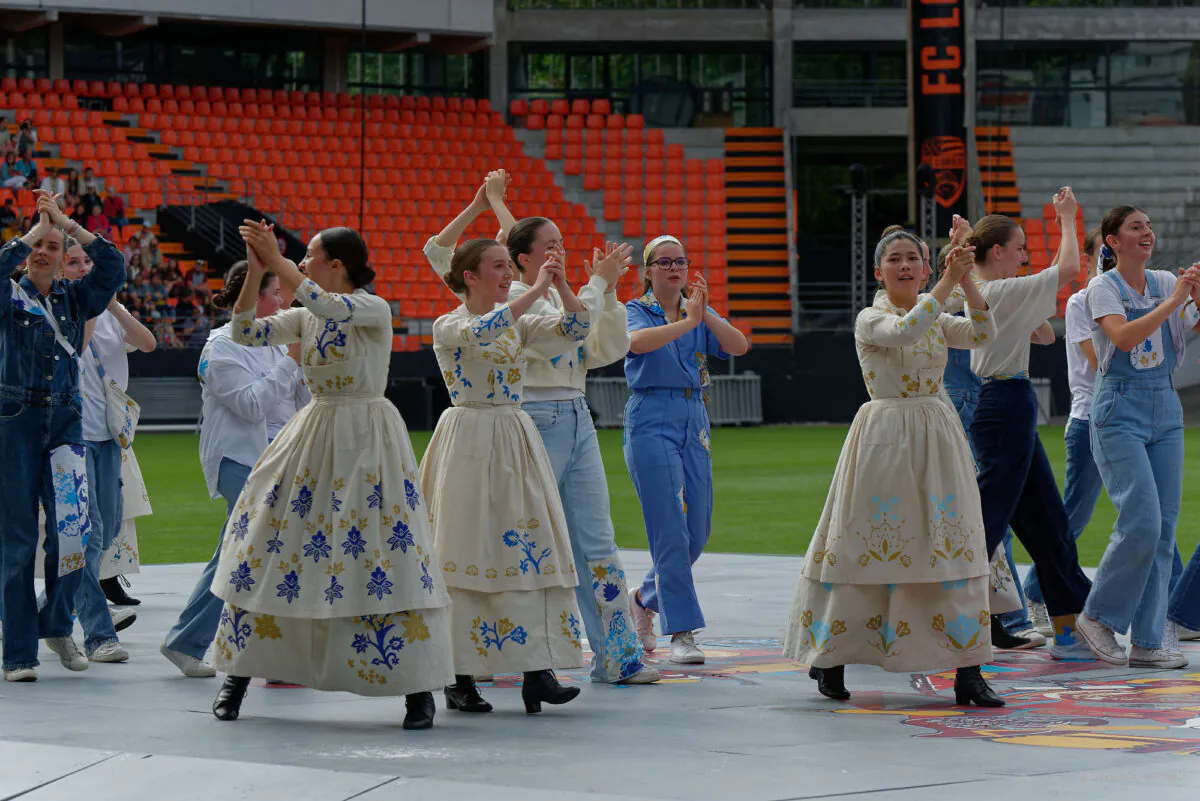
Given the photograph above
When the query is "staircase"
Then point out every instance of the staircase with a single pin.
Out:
(1157, 169)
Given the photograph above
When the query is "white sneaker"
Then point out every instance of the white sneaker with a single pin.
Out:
(20, 674)
(1187, 634)
(684, 650)
(189, 666)
(68, 653)
(122, 617)
(647, 675)
(643, 622)
(108, 652)
(1101, 640)
(1155, 658)
(1036, 640)
(1039, 615)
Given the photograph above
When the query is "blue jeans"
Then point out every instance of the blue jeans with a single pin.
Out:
(1184, 605)
(197, 624)
(667, 451)
(570, 440)
(104, 510)
(27, 436)
(965, 400)
(1017, 488)
(1080, 493)
(1137, 438)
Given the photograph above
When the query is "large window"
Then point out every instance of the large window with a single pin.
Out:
(678, 85)
(521, 5)
(25, 54)
(418, 71)
(1089, 84)
(854, 74)
(198, 55)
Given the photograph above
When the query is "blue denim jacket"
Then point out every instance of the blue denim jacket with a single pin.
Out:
(32, 363)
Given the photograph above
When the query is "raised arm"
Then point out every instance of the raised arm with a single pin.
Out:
(1125, 334)
(449, 236)
(245, 329)
(1067, 259)
(875, 326)
(136, 334)
(608, 341)
(495, 187)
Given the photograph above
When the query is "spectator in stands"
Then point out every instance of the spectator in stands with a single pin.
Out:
(28, 167)
(10, 172)
(26, 138)
(198, 279)
(78, 212)
(8, 217)
(90, 187)
(133, 258)
(148, 248)
(97, 222)
(74, 185)
(26, 226)
(114, 210)
(54, 183)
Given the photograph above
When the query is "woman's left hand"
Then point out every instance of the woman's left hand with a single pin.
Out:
(260, 237)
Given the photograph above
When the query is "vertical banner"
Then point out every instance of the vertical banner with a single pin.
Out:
(937, 72)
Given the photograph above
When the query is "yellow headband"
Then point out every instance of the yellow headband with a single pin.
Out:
(653, 243)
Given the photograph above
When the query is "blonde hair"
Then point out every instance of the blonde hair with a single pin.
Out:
(651, 246)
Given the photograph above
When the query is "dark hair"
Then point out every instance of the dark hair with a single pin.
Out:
(1111, 226)
(234, 280)
(521, 236)
(1092, 242)
(347, 246)
(992, 230)
(466, 260)
(943, 254)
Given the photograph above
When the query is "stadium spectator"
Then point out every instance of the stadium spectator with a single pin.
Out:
(98, 223)
(90, 186)
(8, 216)
(148, 248)
(28, 167)
(26, 138)
(114, 210)
(10, 172)
(54, 183)
(74, 184)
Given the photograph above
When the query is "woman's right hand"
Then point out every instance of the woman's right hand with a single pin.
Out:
(49, 214)
(1065, 205)
(959, 262)
(495, 185)
(1185, 286)
(551, 273)
(697, 304)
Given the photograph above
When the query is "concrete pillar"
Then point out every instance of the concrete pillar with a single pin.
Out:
(54, 55)
(498, 58)
(336, 70)
(783, 71)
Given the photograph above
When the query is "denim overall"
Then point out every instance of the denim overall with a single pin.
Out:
(1137, 441)
(41, 439)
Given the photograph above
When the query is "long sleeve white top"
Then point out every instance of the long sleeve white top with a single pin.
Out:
(556, 372)
(249, 394)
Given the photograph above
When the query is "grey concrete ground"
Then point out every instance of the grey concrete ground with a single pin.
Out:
(747, 726)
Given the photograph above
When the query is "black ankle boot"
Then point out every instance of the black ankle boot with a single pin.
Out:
(230, 697)
(969, 686)
(464, 696)
(539, 686)
(831, 682)
(1005, 641)
(419, 709)
(116, 594)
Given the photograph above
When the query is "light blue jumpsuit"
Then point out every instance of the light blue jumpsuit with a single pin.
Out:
(668, 453)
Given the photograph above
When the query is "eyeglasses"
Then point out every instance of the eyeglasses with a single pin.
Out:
(672, 264)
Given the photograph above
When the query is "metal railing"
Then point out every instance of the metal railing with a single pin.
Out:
(825, 305)
(851, 94)
(734, 400)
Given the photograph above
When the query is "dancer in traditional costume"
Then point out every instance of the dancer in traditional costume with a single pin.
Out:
(1142, 318)
(327, 567)
(498, 518)
(555, 382)
(897, 574)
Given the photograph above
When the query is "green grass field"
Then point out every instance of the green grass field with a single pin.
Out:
(770, 486)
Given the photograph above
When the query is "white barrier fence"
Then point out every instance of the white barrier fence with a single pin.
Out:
(735, 400)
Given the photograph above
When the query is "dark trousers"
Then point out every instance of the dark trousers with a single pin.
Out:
(1017, 488)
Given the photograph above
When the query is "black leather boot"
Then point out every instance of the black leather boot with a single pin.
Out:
(1003, 640)
(230, 697)
(969, 686)
(464, 696)
(539, 686)
(831, 682)
(419, 710)
(115, 593)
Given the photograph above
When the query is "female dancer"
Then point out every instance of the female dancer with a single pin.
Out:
(41, 433)
(667, 449)
(249, 395)
(325, 564)
(498, 517)
(1083, 485)
(1137, 439)
(896, 574)
(555, 382)
(104, 359)
(1016, 484)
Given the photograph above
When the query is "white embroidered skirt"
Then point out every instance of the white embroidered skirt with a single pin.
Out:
(512, 632)
(393, 654)
(122, 558)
